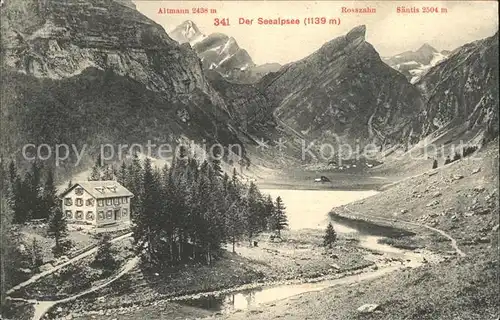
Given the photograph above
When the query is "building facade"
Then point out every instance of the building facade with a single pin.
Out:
(98, 203)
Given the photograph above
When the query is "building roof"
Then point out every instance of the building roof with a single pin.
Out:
(102, 189)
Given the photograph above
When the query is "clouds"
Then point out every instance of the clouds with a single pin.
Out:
(388, 31)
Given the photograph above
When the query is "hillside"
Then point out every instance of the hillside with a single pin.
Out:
(461, 93)
(91, 72)
(97, 107)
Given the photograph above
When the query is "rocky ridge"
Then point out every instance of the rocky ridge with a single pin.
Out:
(344, 91)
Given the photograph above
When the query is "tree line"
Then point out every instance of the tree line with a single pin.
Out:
(32, 195)
(189, 211)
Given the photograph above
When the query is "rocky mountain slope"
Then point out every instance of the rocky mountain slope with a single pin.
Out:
(83, 72)
(413, 64)
(222, 53)
(345, 92)
(96, 71)
(461, 93)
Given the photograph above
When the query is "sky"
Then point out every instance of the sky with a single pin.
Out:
(388, 31)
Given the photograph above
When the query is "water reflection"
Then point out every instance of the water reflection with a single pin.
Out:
(245, 299)
(309, 209)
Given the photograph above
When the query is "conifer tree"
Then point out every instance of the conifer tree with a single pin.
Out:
(234, 178)
(225, 183)
(269, 210)
(280, 220)
(134, 182)
(49, 195)
(235, 222)
(216, 164)
(15, 196)
(95, 174)
(146, 228)
(122, 173)
(108, 173)
(31, 192)
(11, 259)
(330, 236)
(58, 231)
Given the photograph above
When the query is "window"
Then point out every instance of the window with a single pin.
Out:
(79, 191)
(100, 189)
(100, 203)
(116, 200)
(79, 215)
(109, 214)
(79, 202)
(124, 200)
(101, 215)
(90, 215)
(108, 202)
(90, 202)
(124, 212)
(68, 202)
(69, 214)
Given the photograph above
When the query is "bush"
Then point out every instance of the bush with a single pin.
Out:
(105, 257)
(468, 150)
(71, 279)
(62, 248)
(435, 164)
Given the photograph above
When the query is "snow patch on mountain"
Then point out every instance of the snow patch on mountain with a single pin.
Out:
(187, 32)
(414, 64)
(221, 53)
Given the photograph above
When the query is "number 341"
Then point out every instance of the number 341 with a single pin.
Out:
(221, 22)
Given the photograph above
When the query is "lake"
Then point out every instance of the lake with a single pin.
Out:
(308, 209)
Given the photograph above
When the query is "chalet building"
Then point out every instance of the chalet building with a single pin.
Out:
(98, 203)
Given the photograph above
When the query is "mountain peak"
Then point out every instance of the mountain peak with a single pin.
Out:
(427, 48)
(188, 23)
(356, 33)
(186, 32)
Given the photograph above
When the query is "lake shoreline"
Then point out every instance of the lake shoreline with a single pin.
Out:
(298, 187)
(304, 180)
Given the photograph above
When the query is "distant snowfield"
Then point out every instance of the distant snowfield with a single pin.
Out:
(411, 68)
